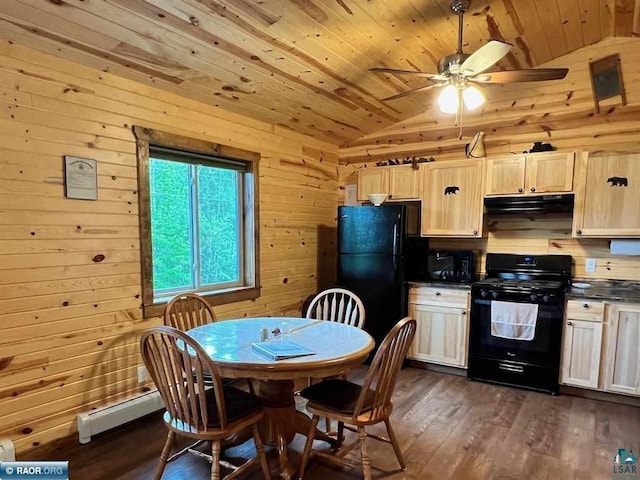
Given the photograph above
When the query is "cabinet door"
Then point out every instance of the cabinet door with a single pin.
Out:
(440, 336)
(373, 180)
(607, 194)
(404, 183)
(505, 176)
(452, 198)
(549, 172)
(623, 349)
(582, 344)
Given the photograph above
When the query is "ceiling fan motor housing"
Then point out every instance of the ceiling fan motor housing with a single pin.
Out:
(450, 65)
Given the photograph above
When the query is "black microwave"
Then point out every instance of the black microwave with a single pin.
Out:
(451, 265)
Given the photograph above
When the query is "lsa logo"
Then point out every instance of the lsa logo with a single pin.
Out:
(625, 465)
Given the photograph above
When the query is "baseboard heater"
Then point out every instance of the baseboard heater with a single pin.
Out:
(111, 416)
(7, 451)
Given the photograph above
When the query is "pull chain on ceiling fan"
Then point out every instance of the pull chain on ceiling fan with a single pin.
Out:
(459, 72)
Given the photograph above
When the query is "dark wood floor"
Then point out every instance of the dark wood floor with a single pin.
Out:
(448, 428)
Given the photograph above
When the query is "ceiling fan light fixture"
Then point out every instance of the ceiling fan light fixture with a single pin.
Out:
(448, 99)
(472, 97)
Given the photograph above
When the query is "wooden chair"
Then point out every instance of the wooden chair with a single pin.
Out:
(190, 310)
(360, 406)
(337, 305)
(178, 365)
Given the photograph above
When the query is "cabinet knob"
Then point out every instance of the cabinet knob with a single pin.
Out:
(464, 312)
(437, 294)
(533, 189)
(390, 196)
(520, 190)
(579, 232)
(586, 305)
(570, 323)
(475, 232)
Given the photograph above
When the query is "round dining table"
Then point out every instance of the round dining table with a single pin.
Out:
(336, 347)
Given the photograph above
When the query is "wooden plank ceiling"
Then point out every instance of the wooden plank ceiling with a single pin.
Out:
(303, 64)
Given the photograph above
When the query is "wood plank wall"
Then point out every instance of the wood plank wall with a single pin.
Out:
(514, 117)
(69, 325)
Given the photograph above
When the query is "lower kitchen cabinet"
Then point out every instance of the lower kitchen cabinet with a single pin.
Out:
(441, 336)
(622, 362)
(582, 342)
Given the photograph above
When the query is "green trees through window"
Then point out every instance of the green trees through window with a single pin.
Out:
(196, 226)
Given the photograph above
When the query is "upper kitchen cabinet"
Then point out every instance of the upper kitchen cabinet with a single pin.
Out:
(530, 174)
(401, 182)
(452, 198)
(607, 193)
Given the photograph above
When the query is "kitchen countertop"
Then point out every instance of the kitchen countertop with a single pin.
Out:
(441, 284)
(606, 290)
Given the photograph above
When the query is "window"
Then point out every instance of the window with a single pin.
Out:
(196, 216)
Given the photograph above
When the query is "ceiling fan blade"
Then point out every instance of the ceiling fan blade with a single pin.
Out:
(431, 76)
(485, 57)
(530, 75)
(415, 90)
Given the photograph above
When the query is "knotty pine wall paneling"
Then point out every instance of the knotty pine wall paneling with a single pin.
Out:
(514, 117)
(69, 323)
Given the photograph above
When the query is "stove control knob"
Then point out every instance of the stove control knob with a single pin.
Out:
(545, 298)
(483, 293)
(533, 297)
(494, 294)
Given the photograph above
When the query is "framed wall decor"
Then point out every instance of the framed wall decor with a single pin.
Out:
(606, 79)
(80, 178)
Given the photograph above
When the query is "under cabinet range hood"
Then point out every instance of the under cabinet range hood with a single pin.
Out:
(530, 204)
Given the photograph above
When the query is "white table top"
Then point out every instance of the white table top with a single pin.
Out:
(228, 342)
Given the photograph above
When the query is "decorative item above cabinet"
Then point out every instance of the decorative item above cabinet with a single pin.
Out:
(607, 195)
(530, 174)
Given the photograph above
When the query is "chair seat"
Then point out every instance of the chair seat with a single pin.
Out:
(337, 395)
(238, 403)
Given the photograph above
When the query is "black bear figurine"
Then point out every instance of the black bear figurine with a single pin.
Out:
(451, 190)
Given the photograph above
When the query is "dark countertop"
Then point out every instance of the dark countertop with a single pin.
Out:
(441, 284)
(606, 290)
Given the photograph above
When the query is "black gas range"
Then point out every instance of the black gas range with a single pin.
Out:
(516, 320)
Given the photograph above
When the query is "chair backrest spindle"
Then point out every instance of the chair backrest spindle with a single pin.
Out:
(185, 312)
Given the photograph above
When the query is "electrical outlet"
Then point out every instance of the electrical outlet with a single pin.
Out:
(143, 375)
(590, 265)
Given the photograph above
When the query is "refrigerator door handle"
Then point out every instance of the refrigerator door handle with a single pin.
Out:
(395, 238)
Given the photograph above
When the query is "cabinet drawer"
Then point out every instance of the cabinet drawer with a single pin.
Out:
(585, 310)
(444, 296)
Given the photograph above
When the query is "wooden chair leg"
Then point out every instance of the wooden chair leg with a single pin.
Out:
(260, 452)
(366, 462)
(327, 425)
(307, 446)
(251, 389)
(395, 444)
(340, 435)
(164, 456)
(215, 460)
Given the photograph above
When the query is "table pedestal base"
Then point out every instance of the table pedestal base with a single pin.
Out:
(282, 421)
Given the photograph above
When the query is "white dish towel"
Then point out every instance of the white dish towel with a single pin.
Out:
(516, 321)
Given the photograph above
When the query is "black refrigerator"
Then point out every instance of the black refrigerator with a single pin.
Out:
(375, 259)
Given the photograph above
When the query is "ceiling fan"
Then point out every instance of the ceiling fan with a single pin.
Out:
(459, 72)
